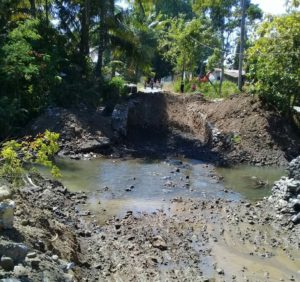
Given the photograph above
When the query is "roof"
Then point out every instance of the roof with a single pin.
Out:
(297, 109)
(232, 73)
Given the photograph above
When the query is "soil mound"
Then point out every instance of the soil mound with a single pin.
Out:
(254, 135)
(82, 130)
(226, 132)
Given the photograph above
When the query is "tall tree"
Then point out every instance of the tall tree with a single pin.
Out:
(222, 14)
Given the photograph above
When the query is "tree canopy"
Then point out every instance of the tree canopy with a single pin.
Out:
(63, 52)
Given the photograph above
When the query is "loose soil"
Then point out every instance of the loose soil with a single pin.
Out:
(236, 130)
(195, 239)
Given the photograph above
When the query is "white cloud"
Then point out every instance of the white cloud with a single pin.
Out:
(271, 6)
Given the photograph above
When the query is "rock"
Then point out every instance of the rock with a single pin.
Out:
(119, 119)
(7, 263)
(220, 271)
(68, 277)
(296, 218)
(94, 145)
(20, 271)
(159, 243)
(55, 257)
(35, 263)
(294, 169)
(7, 214)
(5, 193)
(15, 251)
(31, 255)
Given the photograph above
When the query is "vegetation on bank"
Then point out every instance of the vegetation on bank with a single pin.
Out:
(20, 157)
(72, 52)
(209, 90)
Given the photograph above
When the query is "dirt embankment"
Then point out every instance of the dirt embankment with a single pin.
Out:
(256, 135)
(83, 131)
(232, 131)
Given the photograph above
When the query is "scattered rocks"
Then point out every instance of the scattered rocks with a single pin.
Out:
(7, 214)
(15, 251)
(7, 263)
(20, 271)
(294, 168)
(5, 193)
(159, 243)
(220, 271)
(285, 196)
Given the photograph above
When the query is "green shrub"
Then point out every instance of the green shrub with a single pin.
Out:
(113, 90)
(17, 157)
(274, 64)
(207, 89)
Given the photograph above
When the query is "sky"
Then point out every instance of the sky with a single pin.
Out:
(268, 6)
(271, 6)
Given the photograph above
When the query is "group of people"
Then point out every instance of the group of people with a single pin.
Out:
(153, 83)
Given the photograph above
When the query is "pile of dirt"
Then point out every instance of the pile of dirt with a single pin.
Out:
(226, 132)
(43, 244)
(236, 130)
(254, 135)
(82, 130)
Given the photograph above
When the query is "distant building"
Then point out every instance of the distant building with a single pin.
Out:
(231, 75)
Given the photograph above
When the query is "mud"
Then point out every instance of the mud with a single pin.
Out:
(237, 130)
(56, 237)
(190, 240)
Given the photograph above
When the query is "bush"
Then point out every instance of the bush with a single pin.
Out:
(274, 62)
(113, 90)
(17, 157)
(207, 89)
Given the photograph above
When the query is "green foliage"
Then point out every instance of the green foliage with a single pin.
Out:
(17, 157)
(207, 89)
(236, 139)
(113, 90)
(274, 62)
(183, 43)
(27, 74)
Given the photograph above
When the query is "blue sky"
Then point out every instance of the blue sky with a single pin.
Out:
(268, 6)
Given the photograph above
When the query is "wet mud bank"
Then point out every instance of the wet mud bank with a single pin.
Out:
(234, 131)
(57, 236)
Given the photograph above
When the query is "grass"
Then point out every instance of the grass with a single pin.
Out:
(207, 89)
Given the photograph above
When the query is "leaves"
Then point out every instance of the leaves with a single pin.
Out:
(274, 61)
(18, 157)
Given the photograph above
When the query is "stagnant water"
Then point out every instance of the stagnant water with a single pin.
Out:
(141, 185)
(144, 185)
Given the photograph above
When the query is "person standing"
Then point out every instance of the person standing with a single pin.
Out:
(182, 87)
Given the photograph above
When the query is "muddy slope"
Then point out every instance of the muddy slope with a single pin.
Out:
(233, 131)
(236, 130)
(258, 136)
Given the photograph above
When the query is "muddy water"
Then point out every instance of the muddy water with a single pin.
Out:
(116, 186)
(143, 185)
(251, 182)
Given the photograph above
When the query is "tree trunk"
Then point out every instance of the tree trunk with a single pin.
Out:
(32, 8)
(222, 61)
(84, 33)
(242, 42)
(103, 30)
(47, 12)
